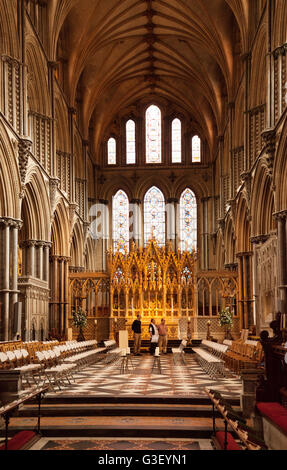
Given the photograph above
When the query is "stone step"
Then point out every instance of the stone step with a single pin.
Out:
(102, 409)
(118, 426)
(139, 400)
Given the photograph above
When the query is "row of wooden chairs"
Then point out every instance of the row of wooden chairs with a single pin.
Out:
(19, 360)
(243, 356)
(53, 362)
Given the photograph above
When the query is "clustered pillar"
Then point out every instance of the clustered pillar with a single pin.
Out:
(59, 266)
(281, 218)
(245, 288)
(9, 305)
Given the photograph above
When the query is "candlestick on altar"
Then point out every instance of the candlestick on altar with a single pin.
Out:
(208, 336)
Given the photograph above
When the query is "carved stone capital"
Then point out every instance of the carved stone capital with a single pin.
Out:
(244, 254)
(280, 51)
(9, 222)
(281, 215)
(231, 266)
(28, 243)
(259, 239)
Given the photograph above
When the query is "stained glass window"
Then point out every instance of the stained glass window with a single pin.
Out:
(120, 221)
(196, 149)
(131, 141)
(154, 216)
(112, 146)
(188, 221)
(153, 135)
(176, 141)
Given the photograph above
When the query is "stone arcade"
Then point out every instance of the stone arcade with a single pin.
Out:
(143, 171)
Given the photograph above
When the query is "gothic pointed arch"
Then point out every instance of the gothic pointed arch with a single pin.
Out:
(9, 176)
(77, 247)
(60, 231)
(35, 209)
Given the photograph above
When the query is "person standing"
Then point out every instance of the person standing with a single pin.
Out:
(153, 331)
(137, 329)
(162, 341)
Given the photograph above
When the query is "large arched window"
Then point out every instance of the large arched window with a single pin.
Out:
(131, 142)
(120, 221)
(153, 134)
(176, 141)
(112, 151)
(188, 221)
(154, 216)
(196, 149)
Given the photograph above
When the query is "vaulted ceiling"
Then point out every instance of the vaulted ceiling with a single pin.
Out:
(120, 52)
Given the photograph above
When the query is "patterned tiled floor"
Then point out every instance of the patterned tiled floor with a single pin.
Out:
(122, 444)
(175, 380)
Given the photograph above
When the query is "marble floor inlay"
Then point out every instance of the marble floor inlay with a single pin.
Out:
(121, 444)
(140, 380)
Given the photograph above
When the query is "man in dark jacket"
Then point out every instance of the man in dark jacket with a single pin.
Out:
(137, 329)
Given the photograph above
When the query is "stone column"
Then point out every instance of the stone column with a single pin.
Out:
(231, 107)
(247, 65)
(72, 113)
(47, 246)
(54, 293)
(245, 288)
(66, 296)
(40, 246)
(6, 263)
(270, 114)
(31, 268)
(258, 241)
(52, 66)
(281, 218)
(205, 254)
(249, 289)
(241, 291)
(85, 155)
(106, 232)
(15, 307)
(62, 293)
(8, 275)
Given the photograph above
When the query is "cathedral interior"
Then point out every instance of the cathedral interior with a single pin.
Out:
(143, 174)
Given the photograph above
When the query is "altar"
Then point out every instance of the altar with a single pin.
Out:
(154, 282)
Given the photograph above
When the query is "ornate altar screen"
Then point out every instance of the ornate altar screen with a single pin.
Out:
(154, 282)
